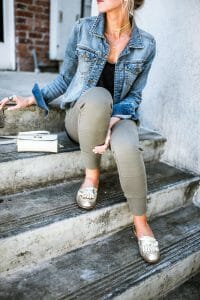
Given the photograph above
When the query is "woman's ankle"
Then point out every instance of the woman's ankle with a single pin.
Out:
(141, 225)
(91, 178)
(90, 182)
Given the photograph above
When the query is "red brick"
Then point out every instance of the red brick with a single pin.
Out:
(20, 20)
(42, 3)
(29, 66)
(23, 54)
(22, 27)
(35, 35)
(25, 41)
(41, 29)
(35, 8)
(42, 16)
(43, 58)
(21, 33)
(45, 23)
(21, 6)
(47, 11)
(27, 60)
(22, 49)
(39, 49)
(39, 42)
(24, 1)
(31, 47)
(21, 13)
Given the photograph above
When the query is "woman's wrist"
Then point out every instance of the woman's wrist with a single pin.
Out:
(113, 121)
(107, 141)
(31, 100)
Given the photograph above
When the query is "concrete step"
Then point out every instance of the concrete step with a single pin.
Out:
(23, 170)
(43, 223)
(112, 268)
(31, 118)
(189, 290)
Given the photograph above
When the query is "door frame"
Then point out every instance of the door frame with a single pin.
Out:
(8, 46)
(56, 53)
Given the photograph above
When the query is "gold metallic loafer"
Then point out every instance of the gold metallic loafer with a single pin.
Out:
(148, 248)
(86, 197)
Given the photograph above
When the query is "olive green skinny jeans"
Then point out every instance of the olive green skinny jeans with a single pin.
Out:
(87, 122)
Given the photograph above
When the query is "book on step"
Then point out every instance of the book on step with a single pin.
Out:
(37, 141)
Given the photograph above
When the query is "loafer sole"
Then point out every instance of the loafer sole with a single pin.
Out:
(86, 207)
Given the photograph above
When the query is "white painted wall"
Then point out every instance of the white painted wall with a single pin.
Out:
(171, 99)
(7, 48)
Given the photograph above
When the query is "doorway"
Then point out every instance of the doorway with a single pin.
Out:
(62, 19)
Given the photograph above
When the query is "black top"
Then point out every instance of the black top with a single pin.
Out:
(106, 79)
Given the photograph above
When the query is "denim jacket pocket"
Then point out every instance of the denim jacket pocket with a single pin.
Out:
(131, 71)
(86, 59)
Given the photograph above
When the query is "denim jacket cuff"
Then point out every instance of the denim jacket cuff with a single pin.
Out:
(121, 109)
(39, 98)
(122, 116)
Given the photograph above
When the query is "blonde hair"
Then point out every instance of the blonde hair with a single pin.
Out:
(132, 5)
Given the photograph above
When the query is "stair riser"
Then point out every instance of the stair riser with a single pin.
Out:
(40, 170)
(60, 237)
(169, 278)
(172, 197)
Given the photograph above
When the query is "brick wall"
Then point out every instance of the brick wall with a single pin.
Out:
(32, 32)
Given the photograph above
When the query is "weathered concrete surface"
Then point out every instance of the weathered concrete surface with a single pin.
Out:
(21, 83)
(171, 98)
(189, 290)
(24, 170)
(112, 268)
(32, 118)
(40, 224)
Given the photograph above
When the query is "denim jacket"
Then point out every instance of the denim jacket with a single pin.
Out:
(85, 56)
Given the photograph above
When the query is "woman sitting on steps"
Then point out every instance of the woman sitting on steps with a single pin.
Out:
(106, 65)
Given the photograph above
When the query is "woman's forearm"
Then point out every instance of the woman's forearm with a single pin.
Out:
(113, 121)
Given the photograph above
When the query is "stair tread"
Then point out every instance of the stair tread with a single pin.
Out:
(110, 265)
(38, 207)
(8, 152)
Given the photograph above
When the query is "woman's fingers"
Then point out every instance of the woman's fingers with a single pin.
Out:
(22, 102)
(3, 102)
(17, 106)
(100, 149)
(16, 102)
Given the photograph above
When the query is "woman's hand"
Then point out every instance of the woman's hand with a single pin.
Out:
(102, 148)
(19, 102)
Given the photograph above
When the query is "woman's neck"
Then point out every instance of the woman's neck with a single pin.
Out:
(115, 25)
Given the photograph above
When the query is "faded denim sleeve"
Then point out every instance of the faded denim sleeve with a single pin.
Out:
(127, 108)
(60, 84)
